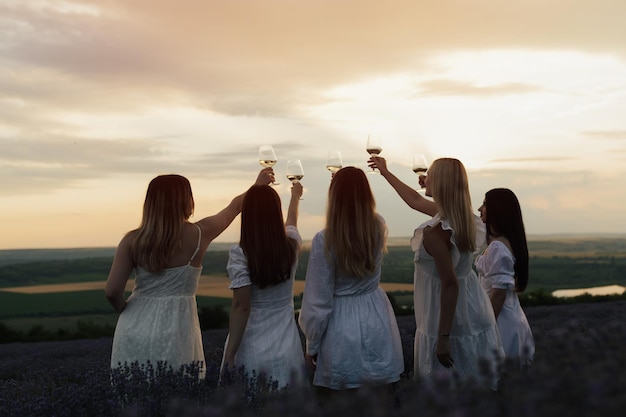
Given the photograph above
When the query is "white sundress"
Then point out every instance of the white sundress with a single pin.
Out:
(496, 270)
(474, 334)
(160, 322)
(271, 342)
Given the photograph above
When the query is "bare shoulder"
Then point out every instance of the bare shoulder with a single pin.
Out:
(127, 240)
(437, 232)
(207, 225)
(436, 237)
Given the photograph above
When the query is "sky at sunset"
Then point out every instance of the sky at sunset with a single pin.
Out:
(97, 97)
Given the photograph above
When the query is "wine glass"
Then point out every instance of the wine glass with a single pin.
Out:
(420, 166)
(295, 172)
(374, 147)
(267, 157)
(334, 162)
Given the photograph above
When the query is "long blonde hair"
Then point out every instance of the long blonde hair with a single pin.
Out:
(354, 233)
(450, 191)
(168, 205)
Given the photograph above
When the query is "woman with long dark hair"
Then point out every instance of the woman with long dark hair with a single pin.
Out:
(352, 337)
(263, 336)
(159, 320)
(503, 270)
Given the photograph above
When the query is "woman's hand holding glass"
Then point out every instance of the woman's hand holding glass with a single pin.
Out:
(374, 147)
(377, 162)
(265, 177)
(420, 166)
(297, 190)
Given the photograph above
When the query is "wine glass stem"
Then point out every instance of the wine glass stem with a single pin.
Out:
(373, 169)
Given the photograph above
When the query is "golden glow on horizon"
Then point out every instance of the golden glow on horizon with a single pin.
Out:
(100, 99)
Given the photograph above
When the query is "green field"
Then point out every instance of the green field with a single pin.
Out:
(563, 263)
(64, 310)
(69, 303)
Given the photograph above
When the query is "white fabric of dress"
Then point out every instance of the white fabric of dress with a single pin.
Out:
(496, 268)
(349, 323)
(474, 334)
(160, 322)
(271, 342)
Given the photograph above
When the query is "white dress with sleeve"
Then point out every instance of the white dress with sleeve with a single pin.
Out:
(349, 323)
(496, 270)
(271, 342)
(474, 334)
(160, 322)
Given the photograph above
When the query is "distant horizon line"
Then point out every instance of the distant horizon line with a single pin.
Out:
(391, 241)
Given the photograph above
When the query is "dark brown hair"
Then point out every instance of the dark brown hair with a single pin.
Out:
(270, 253)
(504, 217)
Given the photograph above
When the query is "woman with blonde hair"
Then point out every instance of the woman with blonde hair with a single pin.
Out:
(159, 320)
(352, 337)
(455, 325)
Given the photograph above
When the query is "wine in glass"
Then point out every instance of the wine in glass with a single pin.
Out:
(295, 172)
(419, 165)
(334, 162)
(374, 147)
(267, 157)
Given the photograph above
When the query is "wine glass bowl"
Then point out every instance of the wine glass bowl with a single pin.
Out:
(267, 157)
(295, 172)
(374, 147)
(334, 162)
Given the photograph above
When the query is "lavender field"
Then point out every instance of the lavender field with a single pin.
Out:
(579, 370)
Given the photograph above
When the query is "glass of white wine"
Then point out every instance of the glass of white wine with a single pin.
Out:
(267, 157)
(295, 172)
(420, 166)
(334, 162)
(374, 147)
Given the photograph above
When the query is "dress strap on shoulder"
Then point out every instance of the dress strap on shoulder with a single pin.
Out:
(198, 246)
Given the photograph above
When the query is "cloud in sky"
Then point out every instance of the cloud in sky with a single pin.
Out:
(97, 97)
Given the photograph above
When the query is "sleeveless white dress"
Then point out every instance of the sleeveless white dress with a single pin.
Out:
(271, 342)
(160, 322)
(496, 268)
(474, 335)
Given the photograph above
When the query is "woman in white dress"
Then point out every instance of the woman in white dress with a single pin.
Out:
(503, 269)
(352, 336)
(159, 320)
(263, 336)
(455, 325)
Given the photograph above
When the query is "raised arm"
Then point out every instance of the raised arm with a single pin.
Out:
(414, 199)
(213, 226)
(294, 203)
